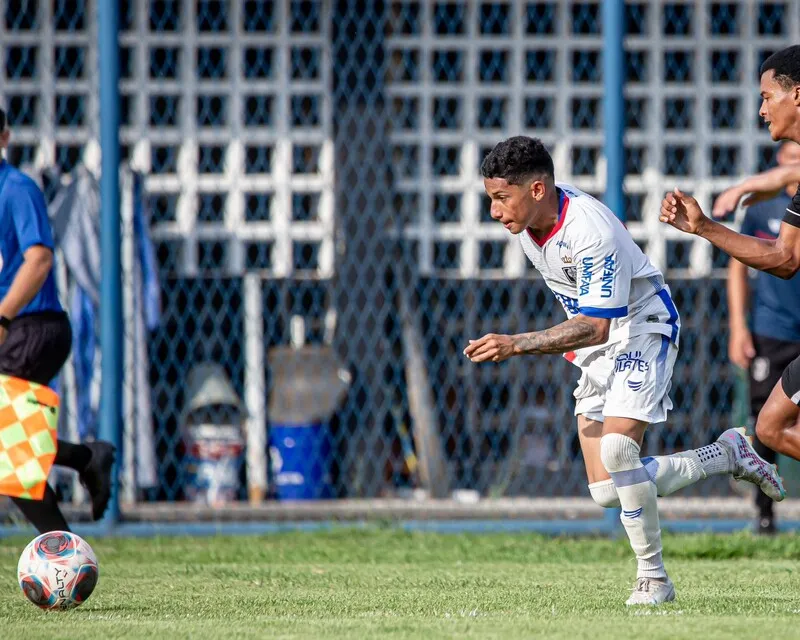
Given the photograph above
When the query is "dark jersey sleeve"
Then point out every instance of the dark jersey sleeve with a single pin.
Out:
(792, 216)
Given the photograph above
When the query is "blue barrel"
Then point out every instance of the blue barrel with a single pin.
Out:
(300, 456)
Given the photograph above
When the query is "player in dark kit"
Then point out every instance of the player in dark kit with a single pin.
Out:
(777, 424)
(763, 317)
(35, 333)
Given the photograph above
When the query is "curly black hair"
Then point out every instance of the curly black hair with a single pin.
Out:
(786, 64)
(517, 160)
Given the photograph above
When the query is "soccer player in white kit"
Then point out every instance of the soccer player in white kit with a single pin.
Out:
(623, 331)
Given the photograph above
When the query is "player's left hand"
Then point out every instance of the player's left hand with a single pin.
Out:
(490, 348)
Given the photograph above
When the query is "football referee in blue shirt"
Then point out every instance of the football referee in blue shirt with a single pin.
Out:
(35, 333)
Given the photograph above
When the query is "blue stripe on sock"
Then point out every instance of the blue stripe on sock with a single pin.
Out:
(630, 477)
(651, 464)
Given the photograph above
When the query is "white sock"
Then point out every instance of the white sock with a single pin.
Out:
(670, 473)
(679, 470)
(674, 472)
(638, 499)
(713, 458)
(604, 493)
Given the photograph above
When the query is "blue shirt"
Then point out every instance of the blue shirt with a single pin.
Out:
(23, 224)
(775, 302)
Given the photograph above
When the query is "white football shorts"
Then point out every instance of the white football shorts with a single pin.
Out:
(629, 379)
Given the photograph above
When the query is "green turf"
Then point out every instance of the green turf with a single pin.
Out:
(386, 583)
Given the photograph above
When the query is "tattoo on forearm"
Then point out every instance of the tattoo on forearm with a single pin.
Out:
(573, 334)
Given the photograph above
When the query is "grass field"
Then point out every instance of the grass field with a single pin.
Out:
(387, 583)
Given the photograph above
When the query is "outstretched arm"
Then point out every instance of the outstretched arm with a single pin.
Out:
(762, 186)
(779, 257)
(740, 341)
(575, 333)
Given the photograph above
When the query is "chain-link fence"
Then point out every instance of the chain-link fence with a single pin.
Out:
(311, 189)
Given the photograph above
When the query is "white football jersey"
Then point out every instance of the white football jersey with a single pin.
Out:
(592, 265)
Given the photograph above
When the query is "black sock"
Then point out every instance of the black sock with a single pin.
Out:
(43, 514)
(74, 456)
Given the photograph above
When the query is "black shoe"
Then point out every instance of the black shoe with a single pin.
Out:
(96, 477)
(765, 526)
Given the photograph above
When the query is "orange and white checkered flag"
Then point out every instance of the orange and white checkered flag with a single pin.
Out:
(28, 437)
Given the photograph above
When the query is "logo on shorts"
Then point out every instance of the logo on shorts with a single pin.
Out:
(632, 361)
(760, 369)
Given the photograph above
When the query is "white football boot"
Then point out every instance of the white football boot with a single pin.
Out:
(747, 465)
(652, 591)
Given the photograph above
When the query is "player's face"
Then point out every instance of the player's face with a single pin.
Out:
(778, 106)
(513, 205)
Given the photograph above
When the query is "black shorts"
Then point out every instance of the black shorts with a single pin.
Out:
(37, 346)
(772, 358)
(790, 381)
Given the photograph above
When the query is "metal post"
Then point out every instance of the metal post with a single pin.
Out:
(255, 389)
(614, 103)
(614, 123)
(111, 283)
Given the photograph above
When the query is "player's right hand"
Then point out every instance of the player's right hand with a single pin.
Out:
(726, 202)
(740, 348)
(682, 212)
(760, 196)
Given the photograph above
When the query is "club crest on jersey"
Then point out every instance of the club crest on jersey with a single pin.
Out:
(587, 265)
(607, 279)
(571, 273)
(566, 259)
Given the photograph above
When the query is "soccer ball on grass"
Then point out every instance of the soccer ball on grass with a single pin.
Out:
(57, 570)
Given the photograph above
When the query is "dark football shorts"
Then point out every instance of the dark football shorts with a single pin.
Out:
(37, 346)
(790, 381)
(772, 358)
